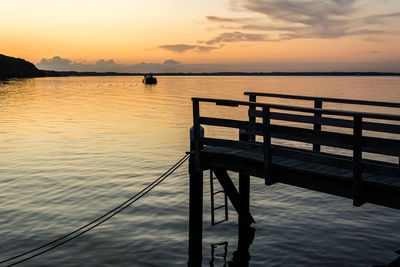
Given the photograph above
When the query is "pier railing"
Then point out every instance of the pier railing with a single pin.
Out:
(268, 129)
(317, 120)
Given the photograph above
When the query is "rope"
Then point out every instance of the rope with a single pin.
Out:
(99, 220)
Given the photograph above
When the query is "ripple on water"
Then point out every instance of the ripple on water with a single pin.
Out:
(72, 148)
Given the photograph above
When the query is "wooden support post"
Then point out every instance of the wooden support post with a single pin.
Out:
(195, 191)
(244, 198)
(357, 164)
(252, 118)
(267, 146)
(317, 122)
(195, 215)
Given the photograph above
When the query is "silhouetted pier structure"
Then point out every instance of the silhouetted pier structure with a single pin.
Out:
(369, 173)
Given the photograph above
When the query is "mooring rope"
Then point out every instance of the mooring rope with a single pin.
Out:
(89, 226)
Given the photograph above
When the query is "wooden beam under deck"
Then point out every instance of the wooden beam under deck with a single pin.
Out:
(305, 174)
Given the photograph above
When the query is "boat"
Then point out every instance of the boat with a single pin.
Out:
(149, 79)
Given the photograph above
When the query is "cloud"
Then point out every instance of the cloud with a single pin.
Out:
(277, 20)
(292, 19)
(382, 18)
(229, 20)
(171, 62)
(219, 40)
(307, 12)
(170, 65)
(230, 37)
(181, 48)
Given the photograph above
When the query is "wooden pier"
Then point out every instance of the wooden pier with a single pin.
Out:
(368, 173)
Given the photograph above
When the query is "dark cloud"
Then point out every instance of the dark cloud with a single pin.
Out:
(292, 19)
(306, 19)
(61, 64)
(382, 18)
(307, 12)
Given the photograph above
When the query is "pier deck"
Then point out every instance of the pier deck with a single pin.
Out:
(346, 153)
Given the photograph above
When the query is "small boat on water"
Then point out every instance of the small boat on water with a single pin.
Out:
(149, 79)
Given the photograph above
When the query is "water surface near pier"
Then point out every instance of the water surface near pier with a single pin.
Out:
(73, 148)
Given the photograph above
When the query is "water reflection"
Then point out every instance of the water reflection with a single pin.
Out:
(241, 256)
(216, 252)
(219, 251)
(72, 146)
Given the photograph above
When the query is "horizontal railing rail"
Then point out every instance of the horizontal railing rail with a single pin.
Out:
(336, 122)
(237, 103)
(327, 99)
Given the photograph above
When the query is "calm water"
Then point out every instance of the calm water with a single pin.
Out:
(73, 148)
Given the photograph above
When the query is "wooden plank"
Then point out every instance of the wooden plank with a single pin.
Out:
(381, 127)
(327, 99)
(382, 146)
(381, 169)
(234, 144)
(309, 136)
(307, 155)
(290, 154)
(231, 123)
(284, 116)
(335, 122)
(300, 109)
(227, 103)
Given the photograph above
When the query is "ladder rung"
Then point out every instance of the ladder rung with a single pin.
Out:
(222, 206)
(218, 192)
(220, 222)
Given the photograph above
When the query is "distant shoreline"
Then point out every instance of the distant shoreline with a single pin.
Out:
(11, 67)
(47, 73)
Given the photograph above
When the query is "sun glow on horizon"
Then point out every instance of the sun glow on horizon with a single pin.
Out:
(242, 35)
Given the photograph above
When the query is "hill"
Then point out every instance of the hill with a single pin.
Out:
(11, 67)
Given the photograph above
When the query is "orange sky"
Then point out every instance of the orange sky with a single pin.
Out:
(242, 35)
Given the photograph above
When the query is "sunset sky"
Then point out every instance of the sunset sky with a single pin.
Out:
(207, 35)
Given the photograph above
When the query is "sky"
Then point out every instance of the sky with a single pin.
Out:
(202, 36)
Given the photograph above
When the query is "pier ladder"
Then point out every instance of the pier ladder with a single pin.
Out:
(213, 208)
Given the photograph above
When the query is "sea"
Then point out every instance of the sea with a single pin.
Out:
(74, 148)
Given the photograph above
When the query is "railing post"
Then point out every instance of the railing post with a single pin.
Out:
(267, 145)
(197, 139)
(252, 117)
(317, 122)
(195, 191)
(357, 164)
